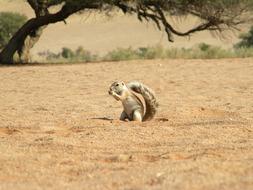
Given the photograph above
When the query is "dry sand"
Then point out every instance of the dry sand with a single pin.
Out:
(59, 128)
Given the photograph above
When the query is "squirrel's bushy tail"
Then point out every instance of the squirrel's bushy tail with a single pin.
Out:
(149, 97)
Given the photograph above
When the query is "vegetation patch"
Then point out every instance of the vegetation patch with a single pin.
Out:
(9, 24)
(200, 51)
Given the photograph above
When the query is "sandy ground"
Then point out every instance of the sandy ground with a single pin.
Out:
(59, 128)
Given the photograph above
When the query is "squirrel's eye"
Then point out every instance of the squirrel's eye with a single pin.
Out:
(117, 84)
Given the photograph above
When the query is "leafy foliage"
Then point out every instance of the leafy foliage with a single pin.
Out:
(9, 24)
(246, 39)
(67, 53)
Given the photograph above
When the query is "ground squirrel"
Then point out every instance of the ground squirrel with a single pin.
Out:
(139, 101)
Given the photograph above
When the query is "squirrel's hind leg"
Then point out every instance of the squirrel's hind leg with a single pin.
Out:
(123, 116)
(137, 116)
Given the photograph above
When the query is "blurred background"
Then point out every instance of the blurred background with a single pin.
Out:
(99, 34)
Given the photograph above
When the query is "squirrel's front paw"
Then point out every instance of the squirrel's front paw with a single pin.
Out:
(110, 92)
(115, 95)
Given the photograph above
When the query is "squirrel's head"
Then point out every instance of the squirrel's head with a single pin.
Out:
(117, 87)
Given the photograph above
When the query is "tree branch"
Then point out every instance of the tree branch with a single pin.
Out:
(216, 18)
(34, 5)
(35, 23)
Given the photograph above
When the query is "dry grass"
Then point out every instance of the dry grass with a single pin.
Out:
(60, 129)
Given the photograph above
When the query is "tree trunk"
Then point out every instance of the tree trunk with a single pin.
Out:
(17, 41)
(7, 54)
(40, 9)
(30, 41)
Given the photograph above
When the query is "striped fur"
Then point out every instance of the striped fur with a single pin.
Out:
(149, 97)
